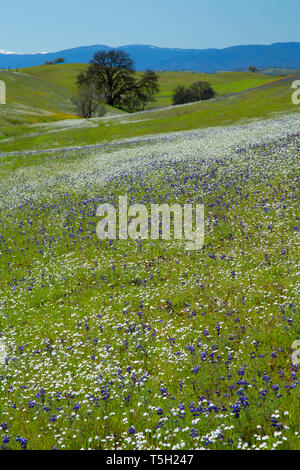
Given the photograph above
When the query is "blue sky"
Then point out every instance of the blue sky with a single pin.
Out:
(52, 25)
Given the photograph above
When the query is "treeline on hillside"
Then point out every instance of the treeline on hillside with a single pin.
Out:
(58, 60)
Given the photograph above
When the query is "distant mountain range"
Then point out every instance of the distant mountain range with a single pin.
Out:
(283, 55)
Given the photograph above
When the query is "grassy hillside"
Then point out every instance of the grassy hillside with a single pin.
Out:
(141, 344)
(223, 83)
(257, 103)
(43, 94)
(31, 100)
(63, 75)
(36, 94)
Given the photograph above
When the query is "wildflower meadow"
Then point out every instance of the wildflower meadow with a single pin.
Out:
(141, 344)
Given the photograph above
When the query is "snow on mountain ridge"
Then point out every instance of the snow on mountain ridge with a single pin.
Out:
(8, 52)
(2, 51)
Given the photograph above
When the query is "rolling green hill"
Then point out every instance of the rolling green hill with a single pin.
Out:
(36, 94)
(63, 75)
(256, 103)
(31, 100)
(224, 83)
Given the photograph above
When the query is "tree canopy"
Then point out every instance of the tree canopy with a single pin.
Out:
(198, 91)
(252, 68)
(114, 75)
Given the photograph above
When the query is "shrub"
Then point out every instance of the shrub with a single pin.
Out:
(198, 91)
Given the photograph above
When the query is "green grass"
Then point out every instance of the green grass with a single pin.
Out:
(63, 75)
(257, 103)
(102, 336)
(223, 83)
(43, 94)
(31, 101)
(37, 94)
